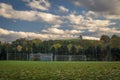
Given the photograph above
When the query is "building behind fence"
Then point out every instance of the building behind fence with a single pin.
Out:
(45, 57)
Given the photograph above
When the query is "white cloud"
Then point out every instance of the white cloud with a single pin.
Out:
(39, 4)
(80, 21)
(91, 38)
(87, 24)
(100, 31)
(111, 16)
(94, 14)
(54, 30)
(49, 18)
(91, 26)
(109, 31)
(8, 35)
(7, 11)
(91, 14)
(75, 19)
(63, 9)
(105, 30)
(56, 26)
(53, 33)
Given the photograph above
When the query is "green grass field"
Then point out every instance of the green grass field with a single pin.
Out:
(35, 70)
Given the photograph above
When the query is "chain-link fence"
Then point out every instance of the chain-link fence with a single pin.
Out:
(17, 56)
(44, 57)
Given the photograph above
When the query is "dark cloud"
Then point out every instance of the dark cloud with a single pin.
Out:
(106, 7)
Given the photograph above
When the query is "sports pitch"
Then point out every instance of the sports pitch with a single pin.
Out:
(37, 70)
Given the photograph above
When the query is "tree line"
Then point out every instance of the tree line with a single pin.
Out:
(104, 49)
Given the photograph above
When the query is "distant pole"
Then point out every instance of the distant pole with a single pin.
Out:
(51, 57)
(83, 53)
(7, 56)
(31, 49)
(0, 49)
(70, 57)
(47, 46)
(15, 50)
(85, 58)
(31, 53)
(6, 51)
(80, 36)
(0, 52)
(55, 58)
(110, 53)
(15, 54)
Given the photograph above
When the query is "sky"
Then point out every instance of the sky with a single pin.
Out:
(58, 19)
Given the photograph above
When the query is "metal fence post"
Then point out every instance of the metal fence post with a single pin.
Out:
(70, 56)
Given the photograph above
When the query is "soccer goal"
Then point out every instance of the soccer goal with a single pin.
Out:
(70, 58)
(41, 57)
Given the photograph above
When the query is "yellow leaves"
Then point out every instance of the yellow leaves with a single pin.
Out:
(36, 41)
(19, 48)
(78, 47)
(56, 46)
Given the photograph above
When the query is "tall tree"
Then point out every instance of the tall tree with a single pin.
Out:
(115, 44)
(106, 41)
(115, 41)
(105, 38)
